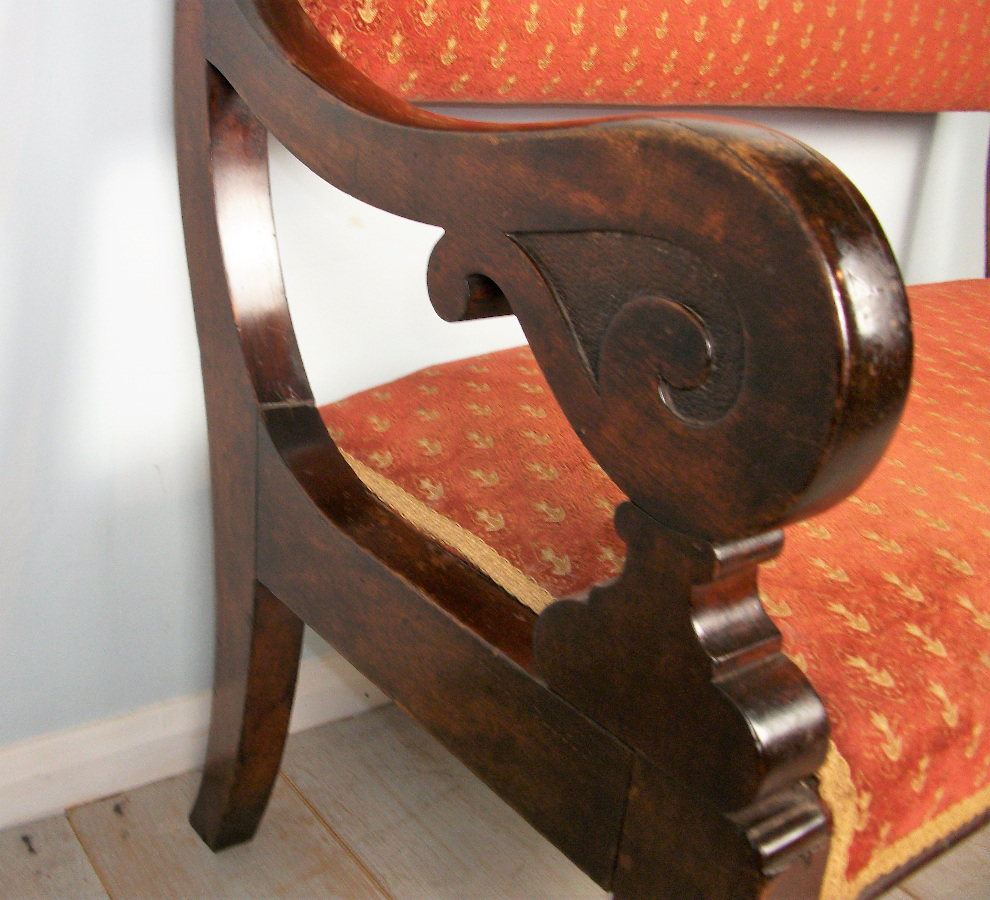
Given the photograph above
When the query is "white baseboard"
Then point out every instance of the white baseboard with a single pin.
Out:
(46, 775)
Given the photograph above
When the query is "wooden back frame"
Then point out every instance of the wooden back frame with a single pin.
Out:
(746, 368)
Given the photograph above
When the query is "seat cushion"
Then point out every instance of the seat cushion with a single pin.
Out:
(867, 54)
(884, 601)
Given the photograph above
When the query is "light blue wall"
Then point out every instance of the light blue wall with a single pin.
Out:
(104, 572)
(105, 569)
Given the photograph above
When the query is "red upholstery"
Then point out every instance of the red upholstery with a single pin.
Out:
(883, 601)
(859, 54)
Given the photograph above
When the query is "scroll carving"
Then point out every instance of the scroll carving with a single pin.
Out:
(711, 348)
(597, 276)
(782, 360)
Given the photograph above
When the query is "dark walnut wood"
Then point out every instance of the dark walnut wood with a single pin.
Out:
(722, 322)
(258, 639)
(707, 675)
(678, 659)
(564, 773)
(675, 845)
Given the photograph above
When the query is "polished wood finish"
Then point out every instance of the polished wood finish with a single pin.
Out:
(566, 775)
(258, 639)
(745, 206)
(678, 659)
(256, 666)
(676, 845)
(722, 322)
(707, 672)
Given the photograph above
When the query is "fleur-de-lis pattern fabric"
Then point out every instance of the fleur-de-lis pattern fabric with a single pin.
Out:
(884, 600)
(858, 54)
(483, 444)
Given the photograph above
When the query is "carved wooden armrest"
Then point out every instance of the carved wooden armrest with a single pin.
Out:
(696, 290)
(722, 322)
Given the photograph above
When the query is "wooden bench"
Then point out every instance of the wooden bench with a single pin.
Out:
(719, 345)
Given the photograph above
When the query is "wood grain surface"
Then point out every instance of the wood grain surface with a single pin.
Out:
(142, 846)
(420, 820)
(962, 872)
(372, 796)
(45, 861)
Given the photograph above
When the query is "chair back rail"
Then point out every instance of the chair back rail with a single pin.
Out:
(898, 55)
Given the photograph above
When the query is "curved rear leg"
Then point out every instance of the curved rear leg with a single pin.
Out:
(223, 176)
(258, 644)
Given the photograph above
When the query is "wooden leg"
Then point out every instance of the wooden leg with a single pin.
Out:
(224, 189)
(258, 645)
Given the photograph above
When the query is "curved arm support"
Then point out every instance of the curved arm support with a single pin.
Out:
(719, 316)
(695, 289)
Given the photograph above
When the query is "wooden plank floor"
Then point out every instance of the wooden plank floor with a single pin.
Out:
(365, 809)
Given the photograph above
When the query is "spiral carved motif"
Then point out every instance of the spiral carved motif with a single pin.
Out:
(606, 283)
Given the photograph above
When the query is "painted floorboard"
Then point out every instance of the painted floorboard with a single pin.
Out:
(141, 844)
(44, 861)
(963, 872)
(427, 827)
(371, 808)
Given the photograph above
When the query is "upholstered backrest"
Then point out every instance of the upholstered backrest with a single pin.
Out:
(906, 55)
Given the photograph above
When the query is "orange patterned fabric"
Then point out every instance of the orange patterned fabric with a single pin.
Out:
(921, 55)
(483, 443)
(883, 601)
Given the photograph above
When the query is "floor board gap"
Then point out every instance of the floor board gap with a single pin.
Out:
(371, 875)
(89, 856)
